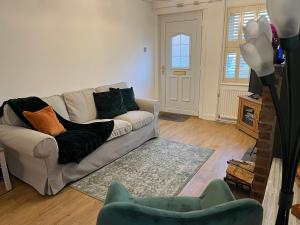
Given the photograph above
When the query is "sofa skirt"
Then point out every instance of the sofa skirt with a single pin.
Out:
(48, 177)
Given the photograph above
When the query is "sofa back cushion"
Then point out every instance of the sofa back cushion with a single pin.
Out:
(81, 105)
(105, 88)
(10, 118)
(58, 104)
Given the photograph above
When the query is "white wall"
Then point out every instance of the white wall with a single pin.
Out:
(212, 60)
(53, 46)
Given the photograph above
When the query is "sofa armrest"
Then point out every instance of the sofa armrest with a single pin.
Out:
(153, 106)
(149, 105)
(27, 141)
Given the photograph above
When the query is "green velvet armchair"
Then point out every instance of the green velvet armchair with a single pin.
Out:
(216, 206)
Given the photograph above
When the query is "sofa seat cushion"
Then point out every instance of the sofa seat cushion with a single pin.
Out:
(138, 119)
(121, 128)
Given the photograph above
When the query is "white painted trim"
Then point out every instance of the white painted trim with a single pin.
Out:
(207, 116)
(234, 84)
(182, 4)
(222, 58)
(200, 56)
(174, 9)
(185, 112)
(158, 56)
(162, 62)
(202, 60)
(230, 121)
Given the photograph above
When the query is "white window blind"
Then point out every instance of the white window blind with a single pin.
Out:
(230, 65)
(244, 69)
(250, 15)
(235, 68)
(234, 26)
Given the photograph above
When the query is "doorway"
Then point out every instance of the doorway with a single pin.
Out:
(180, 62)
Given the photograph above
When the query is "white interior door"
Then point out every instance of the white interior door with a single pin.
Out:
(180, 62)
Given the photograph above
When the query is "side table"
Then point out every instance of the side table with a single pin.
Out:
(4, 170)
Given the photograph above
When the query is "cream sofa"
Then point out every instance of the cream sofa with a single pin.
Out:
(33, 156)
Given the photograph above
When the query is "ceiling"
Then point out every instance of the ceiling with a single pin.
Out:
(179, 3)
(159, 0)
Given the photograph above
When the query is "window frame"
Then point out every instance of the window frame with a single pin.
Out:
(234, 46)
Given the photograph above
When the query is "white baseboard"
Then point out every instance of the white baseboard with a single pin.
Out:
(227, 121)
(207, 116)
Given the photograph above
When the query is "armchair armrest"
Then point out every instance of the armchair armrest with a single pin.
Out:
(217, 192)
(149, 105)
(117, 193)
(27, 141)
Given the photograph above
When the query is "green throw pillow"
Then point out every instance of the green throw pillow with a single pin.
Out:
(109, 104)
(128, 98)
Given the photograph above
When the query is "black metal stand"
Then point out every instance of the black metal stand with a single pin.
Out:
(290, 139)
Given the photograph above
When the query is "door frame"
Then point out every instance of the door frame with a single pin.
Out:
(161, 78)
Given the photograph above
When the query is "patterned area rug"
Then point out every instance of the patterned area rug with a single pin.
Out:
(159, 167)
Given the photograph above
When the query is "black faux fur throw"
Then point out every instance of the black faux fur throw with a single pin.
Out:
(77, 142)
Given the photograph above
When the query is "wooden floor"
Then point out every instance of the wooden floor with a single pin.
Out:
(24, 206)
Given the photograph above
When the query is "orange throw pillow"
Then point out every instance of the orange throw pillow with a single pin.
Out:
(45, 121)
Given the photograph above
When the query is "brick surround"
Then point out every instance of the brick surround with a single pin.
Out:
(267, 124)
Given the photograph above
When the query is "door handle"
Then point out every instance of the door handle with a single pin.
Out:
(163, 70)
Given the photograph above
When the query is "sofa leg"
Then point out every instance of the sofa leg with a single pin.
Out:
(5, 171)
